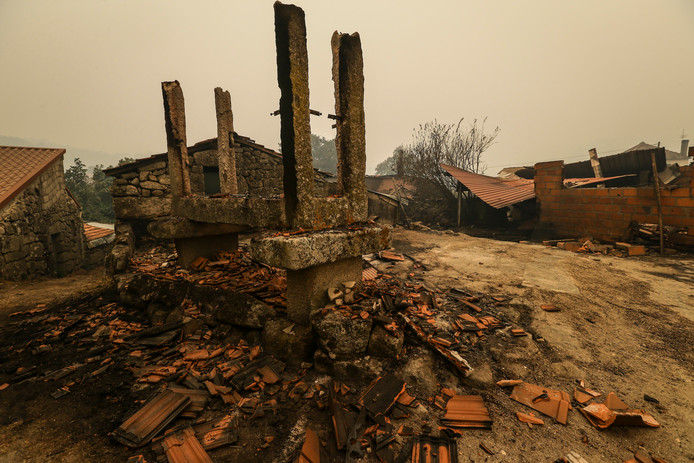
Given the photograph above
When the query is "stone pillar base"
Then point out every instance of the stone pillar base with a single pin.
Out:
(206, 246)
(307, 289)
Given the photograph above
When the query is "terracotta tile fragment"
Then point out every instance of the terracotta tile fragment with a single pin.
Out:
(529, 418)
(545, 400)
(603, 416)
(150, 418)
(509, 382)
(549, 308)
(310, 451)
(185, 448)
(582, 397)
(467, 411)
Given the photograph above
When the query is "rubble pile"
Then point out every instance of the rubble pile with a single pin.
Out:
(196, 389)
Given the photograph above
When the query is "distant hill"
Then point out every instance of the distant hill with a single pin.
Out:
(88, 156)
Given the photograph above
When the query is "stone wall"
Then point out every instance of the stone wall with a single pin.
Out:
(41, 229)
(143, 193)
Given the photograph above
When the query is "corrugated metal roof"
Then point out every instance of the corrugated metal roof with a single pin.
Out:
(20, 165)
(497, 192)
(503, 192)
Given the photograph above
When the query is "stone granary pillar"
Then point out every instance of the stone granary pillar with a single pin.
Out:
(177, 147)
(295, 130)
(195, 239)
(319, 260)
(226, 156)
(348, 76)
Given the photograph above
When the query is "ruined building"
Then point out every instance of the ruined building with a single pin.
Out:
(142, 189)
(40, 222)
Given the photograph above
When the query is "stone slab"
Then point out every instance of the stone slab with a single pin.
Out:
(307, 289)
(265, 212)
(141, 208)
(301, 251)
(178, 227)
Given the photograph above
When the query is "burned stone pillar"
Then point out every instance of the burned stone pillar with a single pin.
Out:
(348, 75)
(225, 142)
(295, 132)
(175, 119)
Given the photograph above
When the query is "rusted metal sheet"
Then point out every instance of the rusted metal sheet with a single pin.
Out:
(503, 192)
(151, 418)
(497, 192)
(467, 411)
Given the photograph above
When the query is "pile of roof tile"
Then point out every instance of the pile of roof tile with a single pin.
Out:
(229, 270)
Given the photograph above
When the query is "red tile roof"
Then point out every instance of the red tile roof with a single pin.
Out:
(20, 165)
(91, 232)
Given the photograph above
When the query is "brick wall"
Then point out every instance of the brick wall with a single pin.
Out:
(606, 213)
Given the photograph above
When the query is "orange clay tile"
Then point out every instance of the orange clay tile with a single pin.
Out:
(467, 411)
(529, 418)
(185, 448)
(547, 401)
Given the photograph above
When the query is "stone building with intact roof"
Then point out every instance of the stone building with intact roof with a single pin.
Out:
(40, 222)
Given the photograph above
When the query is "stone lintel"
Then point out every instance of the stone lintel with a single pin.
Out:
(189, 249)
(226, 158)
(141, 208)
(265, 212)
(247, 211)
(178, 227)
(348, 76)
(304, 250)
(177, 148)
(295, 130)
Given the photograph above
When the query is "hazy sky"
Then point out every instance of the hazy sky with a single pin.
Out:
(557, 77)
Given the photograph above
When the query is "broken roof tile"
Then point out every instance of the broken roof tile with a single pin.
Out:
(614, 412)
(185, 448)
(382, 394)
(467, 411)
(150, 418)
(529, 418)
(310, 451)
(548, 401)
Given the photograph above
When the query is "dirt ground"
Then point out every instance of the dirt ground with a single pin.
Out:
(17, 296)
(625, 325)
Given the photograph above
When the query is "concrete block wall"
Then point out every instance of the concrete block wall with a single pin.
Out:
(607, 213)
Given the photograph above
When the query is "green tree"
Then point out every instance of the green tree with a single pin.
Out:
(92, 193)
(324, 154)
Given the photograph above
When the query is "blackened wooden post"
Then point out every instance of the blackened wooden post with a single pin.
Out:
(348, 75)
(226, 156)
(175, 120)
(656, 185)
(295, 131)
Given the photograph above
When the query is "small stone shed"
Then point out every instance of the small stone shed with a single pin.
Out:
(40, 222)
(141, 189)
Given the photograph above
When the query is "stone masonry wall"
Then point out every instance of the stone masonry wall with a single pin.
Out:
(144, 193)
(41, 229)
